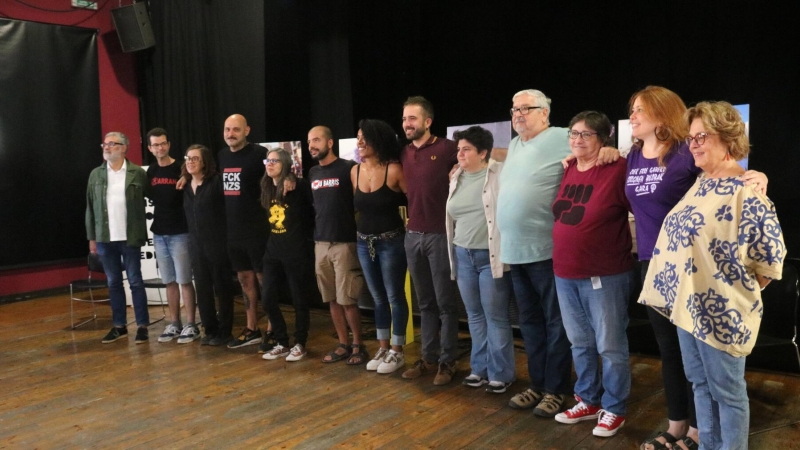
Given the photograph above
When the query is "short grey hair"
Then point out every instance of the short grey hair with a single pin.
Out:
(119, 136)
(539, 100)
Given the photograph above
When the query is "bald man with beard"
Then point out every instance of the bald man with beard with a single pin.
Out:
(241, 166)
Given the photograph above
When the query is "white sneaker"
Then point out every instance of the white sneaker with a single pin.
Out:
(278, 351)
(296, 353)
(170, 333)
(377, 359)
(391, 362)
(189, 334)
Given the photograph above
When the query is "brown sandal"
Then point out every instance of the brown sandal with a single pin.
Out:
(359, 357)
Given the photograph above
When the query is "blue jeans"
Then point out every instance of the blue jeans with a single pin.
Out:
(173, 257)
(117, 256)
(720, 394)
(546, 343)
(486, 300)
(595, 320)
(386, 277)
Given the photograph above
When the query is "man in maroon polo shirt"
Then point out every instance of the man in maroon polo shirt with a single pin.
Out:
(427, 160)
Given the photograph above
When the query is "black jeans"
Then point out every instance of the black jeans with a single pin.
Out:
(212, 272)
(298, 271)
(677, 389)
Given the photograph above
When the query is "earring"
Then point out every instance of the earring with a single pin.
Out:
(658, 129)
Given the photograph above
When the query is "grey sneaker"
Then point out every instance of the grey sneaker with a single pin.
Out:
(189, 334)
(550, 405)
(170, 333)
(526, 399)
(377, 359)
(446, 373)
(421, 367)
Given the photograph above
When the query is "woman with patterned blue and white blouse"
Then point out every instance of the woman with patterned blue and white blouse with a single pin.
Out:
(718, 247)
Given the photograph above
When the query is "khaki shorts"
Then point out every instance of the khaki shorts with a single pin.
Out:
(339, 275)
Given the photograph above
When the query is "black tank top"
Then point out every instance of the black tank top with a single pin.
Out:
(378, 210)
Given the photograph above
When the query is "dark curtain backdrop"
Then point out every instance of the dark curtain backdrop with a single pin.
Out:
(470, 58)
(49, 139)
(208, 63)
(335, 62)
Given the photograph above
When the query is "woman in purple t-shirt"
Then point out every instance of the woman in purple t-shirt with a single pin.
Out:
(660, 171)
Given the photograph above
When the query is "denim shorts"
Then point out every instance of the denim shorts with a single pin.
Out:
(173, 257)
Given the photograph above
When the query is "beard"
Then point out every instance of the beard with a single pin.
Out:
(322, 154)
(417, 133)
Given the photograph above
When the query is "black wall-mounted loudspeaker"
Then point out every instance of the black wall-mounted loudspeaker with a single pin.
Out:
(133, 27)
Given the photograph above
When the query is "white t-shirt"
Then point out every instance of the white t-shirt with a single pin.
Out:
(115, 204)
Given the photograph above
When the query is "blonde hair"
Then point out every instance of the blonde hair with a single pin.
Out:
(722, 119)
(665, 107)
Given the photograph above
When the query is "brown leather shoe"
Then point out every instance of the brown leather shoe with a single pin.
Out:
(446, 373)
(421, 367)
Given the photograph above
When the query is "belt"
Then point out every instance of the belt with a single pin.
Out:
(371, 238)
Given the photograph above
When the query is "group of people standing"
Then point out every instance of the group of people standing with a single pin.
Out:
(545, 219)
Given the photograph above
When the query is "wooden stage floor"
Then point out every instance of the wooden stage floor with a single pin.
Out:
(64, 389)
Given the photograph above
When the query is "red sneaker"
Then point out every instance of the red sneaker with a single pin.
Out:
(580, 412)
(608, 424)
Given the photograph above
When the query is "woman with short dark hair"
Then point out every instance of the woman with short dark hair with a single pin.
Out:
(593, 266)
(474, 247)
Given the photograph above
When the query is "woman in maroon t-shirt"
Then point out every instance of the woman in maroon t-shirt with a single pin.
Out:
(594, 272)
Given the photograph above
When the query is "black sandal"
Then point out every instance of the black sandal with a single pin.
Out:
(658, 445)
(690, 444)
(359, 357)
(332, 356)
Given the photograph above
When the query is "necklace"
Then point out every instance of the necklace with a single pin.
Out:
(371, 172)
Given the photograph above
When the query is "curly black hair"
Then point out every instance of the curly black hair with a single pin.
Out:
(381, 137)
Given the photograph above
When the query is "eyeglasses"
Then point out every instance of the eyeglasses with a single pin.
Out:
(271, 161)
(192, 159)
(524, 109)
(160, 144)
(110, 144)
(585, 135)
(699, 138)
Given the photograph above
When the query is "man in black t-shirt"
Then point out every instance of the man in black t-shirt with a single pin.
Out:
(339, 275)
(242, 166)
(171, 238)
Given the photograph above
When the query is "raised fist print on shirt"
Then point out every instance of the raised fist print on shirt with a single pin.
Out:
(568, 209)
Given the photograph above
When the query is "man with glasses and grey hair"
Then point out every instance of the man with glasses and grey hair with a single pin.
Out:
(528, 185)
(116, 229)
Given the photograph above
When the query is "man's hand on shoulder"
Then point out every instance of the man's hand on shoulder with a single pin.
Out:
(607, 155)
